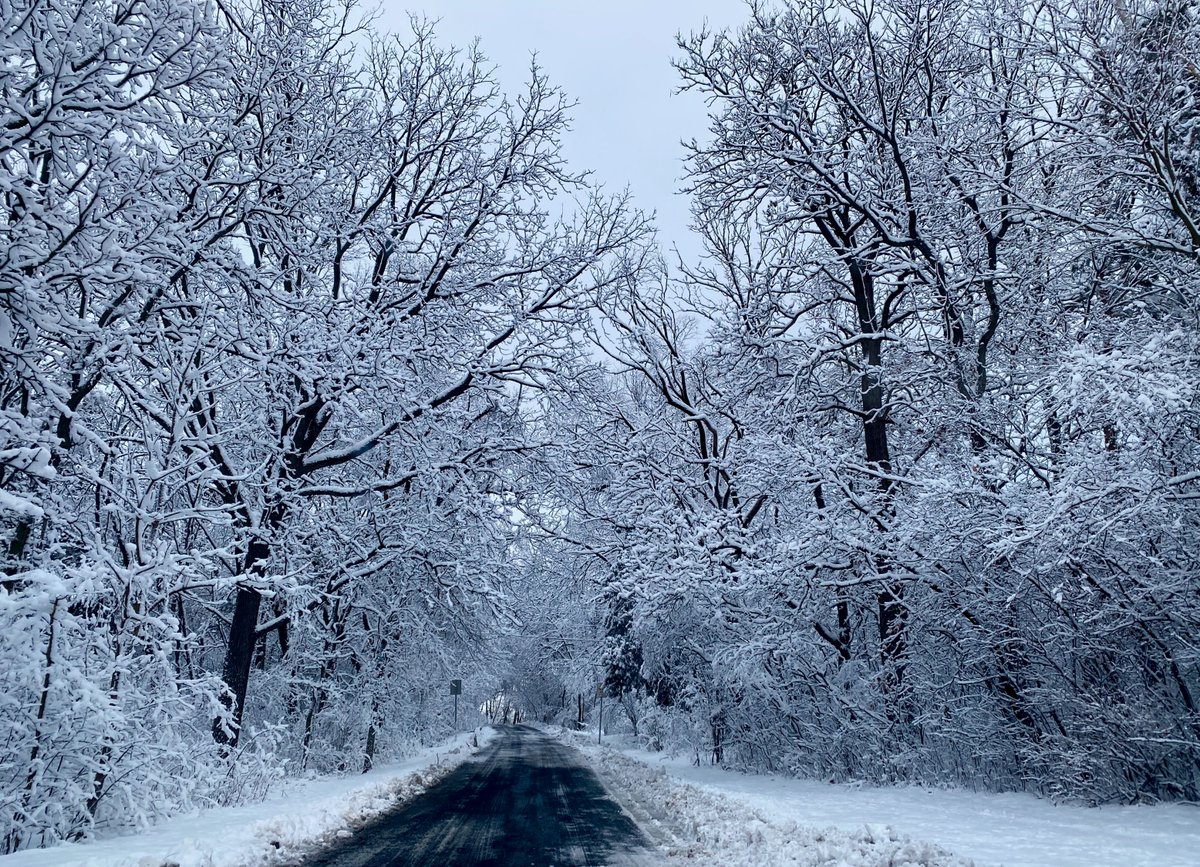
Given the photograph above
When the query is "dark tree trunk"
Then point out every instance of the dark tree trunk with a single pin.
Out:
(16, 551)
(844, 632)
(893, 625)
(239, 652)
(369, 754)
(893, 632)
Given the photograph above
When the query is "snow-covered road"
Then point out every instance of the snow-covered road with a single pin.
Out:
(526, 800)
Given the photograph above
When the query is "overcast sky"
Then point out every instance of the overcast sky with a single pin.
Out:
(613, 57)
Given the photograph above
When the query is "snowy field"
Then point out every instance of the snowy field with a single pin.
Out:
(706, 815)
(304, 816)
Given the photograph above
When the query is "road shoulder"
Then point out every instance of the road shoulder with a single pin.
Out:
(707, 829)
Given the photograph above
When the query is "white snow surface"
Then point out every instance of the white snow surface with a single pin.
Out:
(303, 816)
(729, 818)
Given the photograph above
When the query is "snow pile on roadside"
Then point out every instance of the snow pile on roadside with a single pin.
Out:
(305, 817)
(710, 829)
(322, 823)
(1013, 829)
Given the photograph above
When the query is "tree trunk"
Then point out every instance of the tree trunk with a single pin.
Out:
(239, 653)
(16, 551)
(369, 754)
(893, 641)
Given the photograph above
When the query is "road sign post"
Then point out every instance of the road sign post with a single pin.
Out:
(456, 691)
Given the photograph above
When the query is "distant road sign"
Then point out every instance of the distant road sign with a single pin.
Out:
(456, 687)
(600, 692)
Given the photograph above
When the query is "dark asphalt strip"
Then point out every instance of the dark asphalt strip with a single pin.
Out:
(525, 801)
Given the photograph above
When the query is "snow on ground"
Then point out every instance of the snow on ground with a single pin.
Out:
(306, 815)
(704, 827)
(771, 819)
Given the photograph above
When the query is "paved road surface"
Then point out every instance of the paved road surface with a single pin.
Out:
(525, 800)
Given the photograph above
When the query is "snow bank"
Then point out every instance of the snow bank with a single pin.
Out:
(991, 830)
(704, 827)
(305, 816)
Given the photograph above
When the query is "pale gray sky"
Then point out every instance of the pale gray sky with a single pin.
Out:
(613, 57)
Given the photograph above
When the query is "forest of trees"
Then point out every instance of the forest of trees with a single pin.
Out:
(324, 379)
